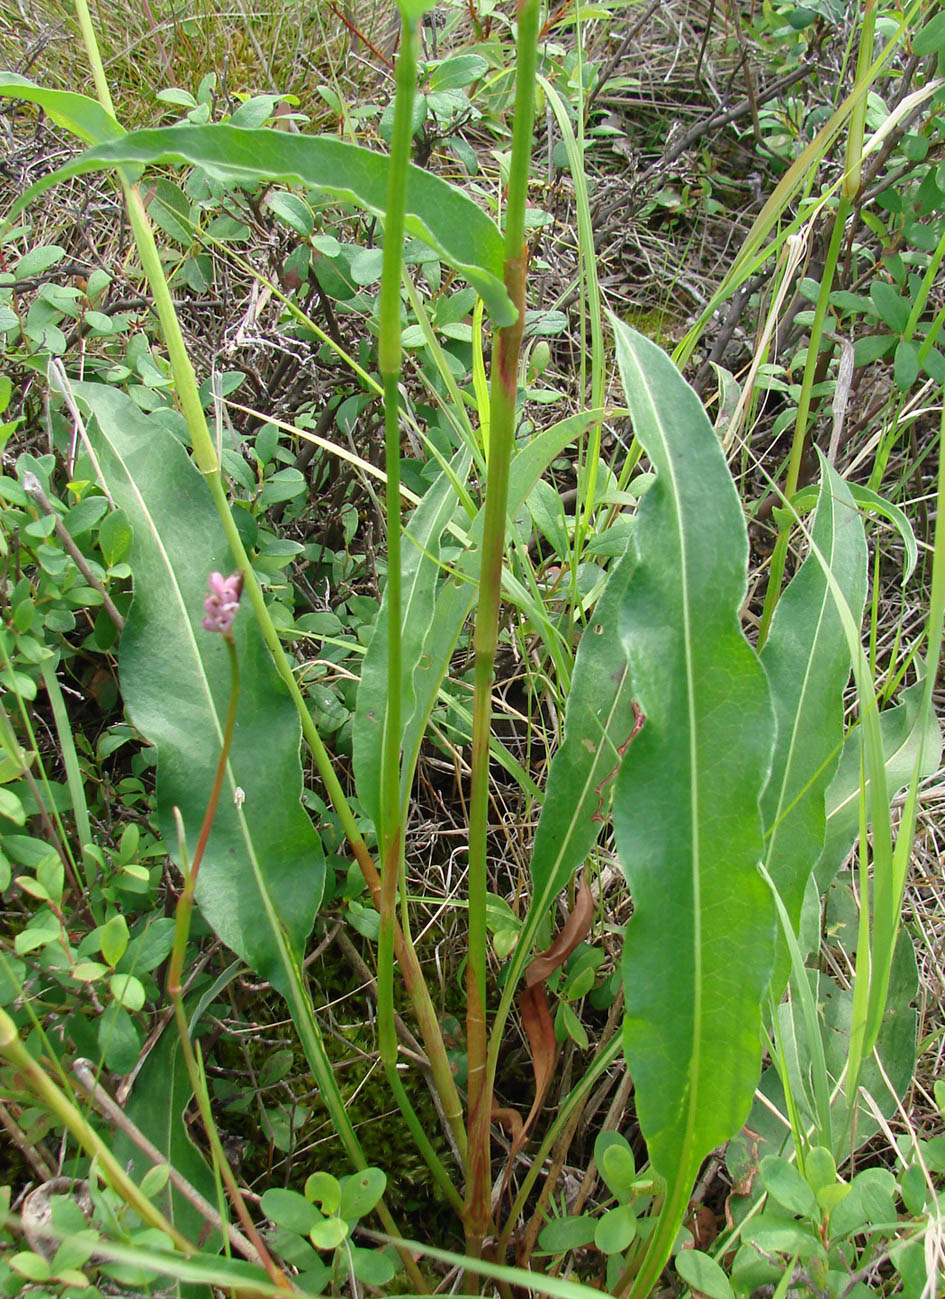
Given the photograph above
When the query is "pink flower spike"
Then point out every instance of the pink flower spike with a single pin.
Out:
(223, 601)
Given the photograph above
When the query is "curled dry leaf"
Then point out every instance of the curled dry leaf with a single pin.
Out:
(575, 930)
(536, 1018)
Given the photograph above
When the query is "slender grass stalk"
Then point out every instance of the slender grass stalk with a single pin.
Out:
(205, 455)
(801, 983)
(878, 936)
(70, 760)
(392, 819)
(185, 903)
(850, 189)
(589, 299)
(182, 918)
(478, 1211)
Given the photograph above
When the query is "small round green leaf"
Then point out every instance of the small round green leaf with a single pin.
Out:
(821, 1168)
(11, 807)
(38, 260)
(785, 1184)
(127, 990)
(113, 939)
(930, 39)
(360, 1192)
(616, 1163)
(702, 1273)
(570, 1025)
(289, 1209)
(893, 310)
(457, 72)
(328, 1233)
(906, 364)
(114, 537)
(325, 1191)
(118, 1039)
(275, 1068)
(564, 1234)
(155, 1179)
(373, 1267)
(616, 1230)
(292, 211)
(32, 1266)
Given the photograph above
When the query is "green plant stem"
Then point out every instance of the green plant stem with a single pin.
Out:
(182, 918)
(303, 1015)
(205, 455)
(478, 1211)
(185, 903)
(852, 179)
(70, 760)
(391, 829)
(95, 59)
(590, 292)
(61, 1105)
(198, 1083)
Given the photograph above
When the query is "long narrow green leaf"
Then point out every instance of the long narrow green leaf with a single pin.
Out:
(84, 117)
(807, 660)
(598, 724)
(263, 871)
(906, 730)
(437, 212)
(263, 864)
(698, 948)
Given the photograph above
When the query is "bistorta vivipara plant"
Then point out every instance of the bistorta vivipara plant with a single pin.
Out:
(728, 755)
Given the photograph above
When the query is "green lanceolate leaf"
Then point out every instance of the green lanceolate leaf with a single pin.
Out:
(807, 659)
(904, 729)
(437, 212)
(598, 725)
(84, 117)
(263, 866)
(698, 948)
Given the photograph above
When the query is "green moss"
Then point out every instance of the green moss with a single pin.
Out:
(655, 323)
(349, 1032)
